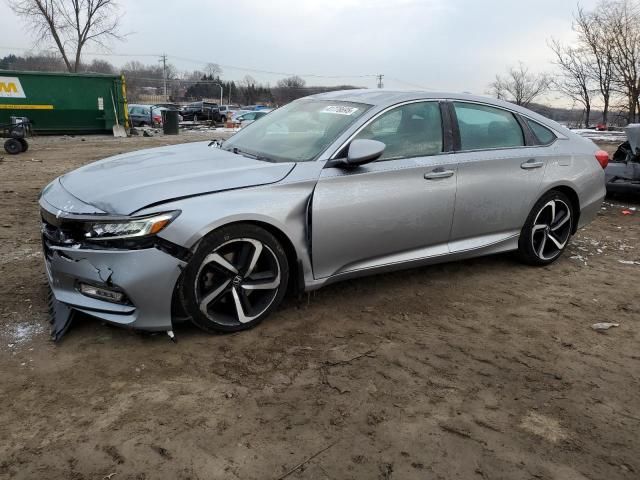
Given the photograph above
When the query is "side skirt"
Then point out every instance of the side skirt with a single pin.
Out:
(504, 245)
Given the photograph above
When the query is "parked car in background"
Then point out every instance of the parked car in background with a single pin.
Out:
(169, 106)
(148, 115)
(256, 107)
(198, 111)
(623, 173)
(145, 115)
(250, 117)
(329, 187)
(227, 112)
(237, 113)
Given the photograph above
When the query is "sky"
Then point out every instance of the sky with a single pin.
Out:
(445, 45)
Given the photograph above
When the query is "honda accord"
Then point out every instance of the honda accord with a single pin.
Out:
(329, 187)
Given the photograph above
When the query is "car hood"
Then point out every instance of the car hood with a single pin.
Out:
(129, 182)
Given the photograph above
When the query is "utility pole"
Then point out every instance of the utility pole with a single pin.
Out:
(221, 91)
(163, 59)
(379, 77)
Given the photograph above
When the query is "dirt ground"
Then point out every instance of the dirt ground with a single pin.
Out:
(483, 369)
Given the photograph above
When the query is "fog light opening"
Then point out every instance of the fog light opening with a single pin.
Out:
(102, 293)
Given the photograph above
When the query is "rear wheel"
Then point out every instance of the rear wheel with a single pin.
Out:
(13, 146)
(238, 275)
(223, 119)
(547, 230)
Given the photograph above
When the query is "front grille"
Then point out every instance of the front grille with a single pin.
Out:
(58, 234)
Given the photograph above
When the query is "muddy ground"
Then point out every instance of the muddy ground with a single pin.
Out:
(483, 369)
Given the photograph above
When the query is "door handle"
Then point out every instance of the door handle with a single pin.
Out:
(531, 164)
(438, 173)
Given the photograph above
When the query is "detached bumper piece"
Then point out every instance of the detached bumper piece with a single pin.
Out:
(60, 317)
(129, 288)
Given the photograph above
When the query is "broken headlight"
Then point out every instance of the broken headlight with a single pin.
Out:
(135, 227)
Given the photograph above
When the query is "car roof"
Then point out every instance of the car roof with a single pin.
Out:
(384, 97)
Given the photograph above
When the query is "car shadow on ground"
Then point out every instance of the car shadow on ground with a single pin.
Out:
(359, 290)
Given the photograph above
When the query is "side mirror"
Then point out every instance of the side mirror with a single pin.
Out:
(363, 151)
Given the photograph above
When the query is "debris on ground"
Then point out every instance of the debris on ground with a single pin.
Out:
(603, 327)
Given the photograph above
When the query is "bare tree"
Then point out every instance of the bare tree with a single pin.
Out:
(213, 70)
(99, 66)
(70, 24)
(41, 62)
(622, 18)
(520, 86)
(292, 82)
(141, 77)
(576, 79)
(289, 89)
(595, 36)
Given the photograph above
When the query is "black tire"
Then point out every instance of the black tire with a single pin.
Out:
(13, 146)
(24, 143)
(547, 231)
(195, 118)
(223, 119)
(222, 292)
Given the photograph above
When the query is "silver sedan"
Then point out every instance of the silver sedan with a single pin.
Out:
(329, 187)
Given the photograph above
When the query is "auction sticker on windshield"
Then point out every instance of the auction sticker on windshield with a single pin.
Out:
(340, 110)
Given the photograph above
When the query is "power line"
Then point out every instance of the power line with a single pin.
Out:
(271, 72)
(103, 54)
(192, 60)
(164, 57)
(412, 85)
(133, 76)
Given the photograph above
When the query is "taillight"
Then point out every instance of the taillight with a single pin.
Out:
(603, 158)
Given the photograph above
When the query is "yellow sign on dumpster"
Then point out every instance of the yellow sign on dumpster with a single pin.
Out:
(10, 87)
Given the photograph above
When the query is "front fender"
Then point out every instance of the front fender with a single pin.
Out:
(282, 206)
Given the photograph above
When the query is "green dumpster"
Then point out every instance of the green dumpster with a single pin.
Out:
(64, 103)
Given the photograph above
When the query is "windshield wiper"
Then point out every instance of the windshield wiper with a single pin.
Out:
(237, 151)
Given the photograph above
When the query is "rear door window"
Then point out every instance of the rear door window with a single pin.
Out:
(483, 127)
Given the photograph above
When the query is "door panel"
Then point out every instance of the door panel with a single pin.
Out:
(495, 191)
(498, 176)
(383, 212)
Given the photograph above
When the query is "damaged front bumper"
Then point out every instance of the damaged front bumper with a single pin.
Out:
(142, 276)
(146, 277)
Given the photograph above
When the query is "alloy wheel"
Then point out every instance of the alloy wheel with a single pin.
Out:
(237, 282)
(551, 229)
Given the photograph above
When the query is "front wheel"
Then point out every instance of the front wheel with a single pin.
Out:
(547, 230)
(237, 276)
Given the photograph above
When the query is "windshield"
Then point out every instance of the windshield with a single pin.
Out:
(297, 132)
